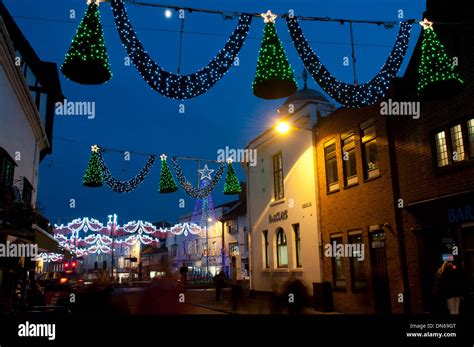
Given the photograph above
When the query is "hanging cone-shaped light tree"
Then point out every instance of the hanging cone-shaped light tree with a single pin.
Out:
(274, 78)
(167, 183)
(232, 185)
(94, 176)
(86, 62)
(438, 77)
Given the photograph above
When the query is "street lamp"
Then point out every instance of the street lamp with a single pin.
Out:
(208, 220)
(168, 13)
(282, 127)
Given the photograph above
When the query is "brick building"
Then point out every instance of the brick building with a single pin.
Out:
(402, 186)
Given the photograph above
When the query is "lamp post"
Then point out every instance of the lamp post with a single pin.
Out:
(208, 219)
(112, 231)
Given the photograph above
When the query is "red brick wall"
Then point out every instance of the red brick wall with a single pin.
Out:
(357, 208)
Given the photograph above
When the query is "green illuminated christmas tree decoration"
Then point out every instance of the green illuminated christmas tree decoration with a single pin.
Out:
(167, 183)
(274, 77)
(232, 185)
(437, 74)
(94, 176)
(86, 62)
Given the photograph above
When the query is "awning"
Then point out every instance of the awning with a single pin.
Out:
(45, 242)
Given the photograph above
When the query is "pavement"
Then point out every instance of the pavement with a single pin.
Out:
(206, 298)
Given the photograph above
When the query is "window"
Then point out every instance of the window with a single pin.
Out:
(214, 248)
(369, 151)
(233, 226)
(470, 134)
(282, 250)
(296, 229)
(7, 168)
(27, 193)
(278, 177)
(174, 250)
(457, 143)
(234, 248)
(265, 248)
(357, 261)
(188, 248)
(196, 247)
(349, 160)
(441, 149)
(339, 279)
(332, 178)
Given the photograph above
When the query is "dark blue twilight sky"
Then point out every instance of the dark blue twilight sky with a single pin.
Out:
(131, 116)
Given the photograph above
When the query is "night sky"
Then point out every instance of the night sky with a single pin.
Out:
(130, 116)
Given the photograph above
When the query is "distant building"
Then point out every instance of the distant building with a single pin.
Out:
(402, 187)
(29, 89)
(235, 236)
(283, 214)
(202, 253)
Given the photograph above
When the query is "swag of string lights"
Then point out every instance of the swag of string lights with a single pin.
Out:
(172, 85)
(182, 87)
(100, 240)
(351, 95)
(127, 186)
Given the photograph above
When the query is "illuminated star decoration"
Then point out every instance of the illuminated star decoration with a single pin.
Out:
(268, 17)
(426, 24)
(95, 148)
(229, 160)
(205, 173)
(163, 157)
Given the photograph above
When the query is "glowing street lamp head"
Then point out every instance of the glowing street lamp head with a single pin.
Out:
(282, 127)
(209, 219)
(168, 13)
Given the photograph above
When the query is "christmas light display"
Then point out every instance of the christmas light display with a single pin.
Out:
(198, 193)
(93, 176)
(86, 61)
(132, 184)
(437, 74)
(232, 184)
(204, 208)
(274, 77)
(50, 257)
(178, 86)
(80, 224)
(350, 95)
(167, 183)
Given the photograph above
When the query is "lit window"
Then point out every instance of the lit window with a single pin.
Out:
(441, 149)
(339, 279)
(282, 250)
(214, 248)
(357, 264)
(196, 247)
(278, 176)
(296, 228)
(265, 248)
(331, 167)
(369, 151)
(234, 248)
(457, 143)
(349, 160)
(470, 132)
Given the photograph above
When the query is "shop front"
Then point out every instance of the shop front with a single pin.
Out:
(445, 232)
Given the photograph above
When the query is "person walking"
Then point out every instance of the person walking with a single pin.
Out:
(451, 286)
(219, 281)
(184, 274)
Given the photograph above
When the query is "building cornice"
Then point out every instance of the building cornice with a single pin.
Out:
(20, 87)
